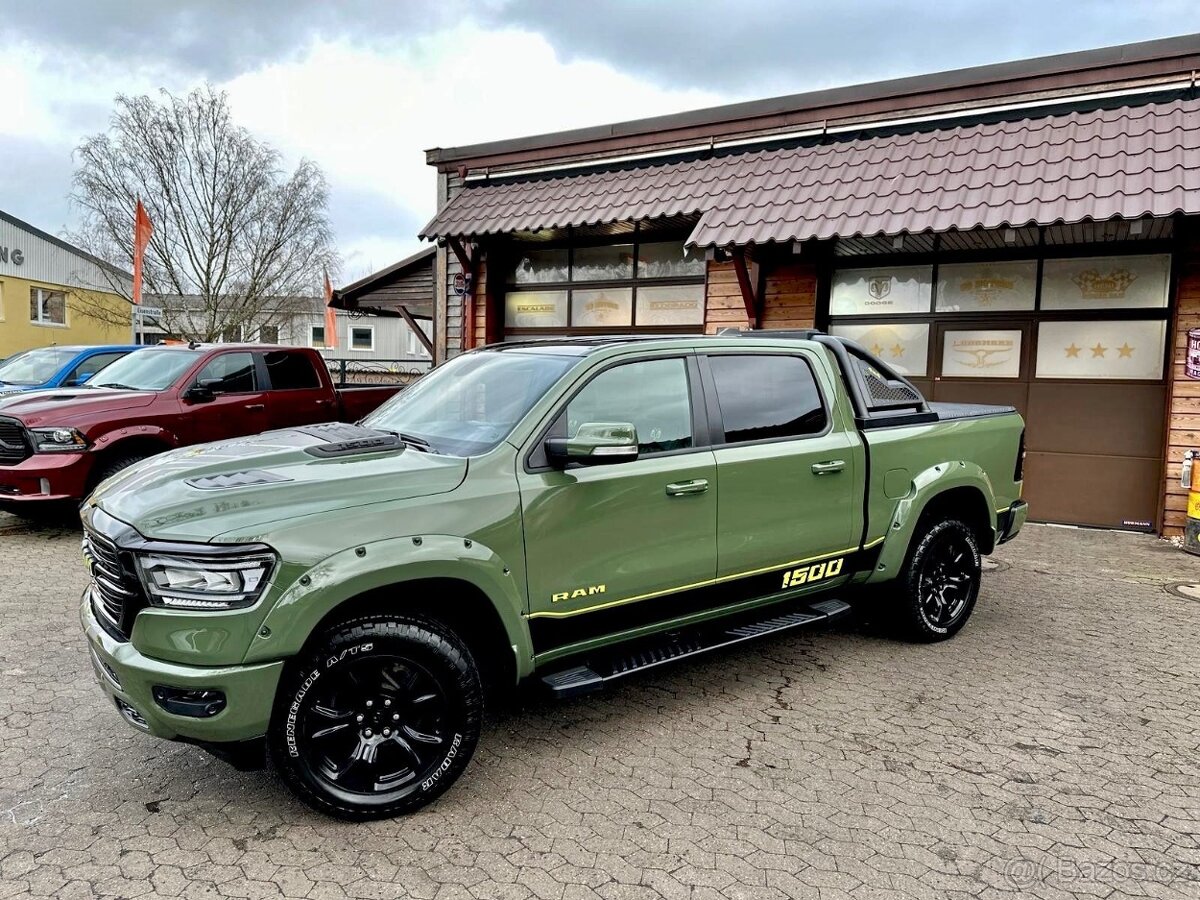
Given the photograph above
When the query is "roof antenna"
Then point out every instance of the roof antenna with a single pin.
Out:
(192, 345)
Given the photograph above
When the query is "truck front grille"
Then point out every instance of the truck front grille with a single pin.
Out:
(14, 445)
(117, 596)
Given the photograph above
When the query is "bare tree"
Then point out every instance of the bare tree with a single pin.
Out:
(238, 243)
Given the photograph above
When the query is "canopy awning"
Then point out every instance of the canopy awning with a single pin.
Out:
(1126, 162)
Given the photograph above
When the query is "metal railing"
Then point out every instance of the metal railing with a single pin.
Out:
(346, 372)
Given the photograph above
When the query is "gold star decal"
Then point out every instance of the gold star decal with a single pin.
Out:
(1072, 351)
(1126, 351)
(898, 350)
(1098, 350)
(876, 349)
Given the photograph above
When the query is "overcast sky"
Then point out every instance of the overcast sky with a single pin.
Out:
(364, 88)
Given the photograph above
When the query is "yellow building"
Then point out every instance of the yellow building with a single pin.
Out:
(54, 293)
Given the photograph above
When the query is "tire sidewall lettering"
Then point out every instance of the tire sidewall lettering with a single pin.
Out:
(306, 685)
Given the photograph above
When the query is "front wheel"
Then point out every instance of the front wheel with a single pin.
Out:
(380, 719)
(940, 582)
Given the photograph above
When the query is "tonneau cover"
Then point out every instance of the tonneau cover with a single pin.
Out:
(949, 411)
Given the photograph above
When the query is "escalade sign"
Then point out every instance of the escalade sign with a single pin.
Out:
(16, 255)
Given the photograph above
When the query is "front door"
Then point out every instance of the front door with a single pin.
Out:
(607, 545)
(790, 477)
(239, 406)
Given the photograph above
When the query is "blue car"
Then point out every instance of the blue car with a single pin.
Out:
(52, 367)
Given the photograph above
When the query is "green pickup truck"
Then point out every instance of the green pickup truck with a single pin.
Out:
(566, 511)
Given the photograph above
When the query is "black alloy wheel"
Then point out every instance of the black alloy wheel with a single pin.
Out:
(940, 581)
(381, 719)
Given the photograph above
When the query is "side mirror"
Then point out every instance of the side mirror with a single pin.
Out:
(595, 444)
(200, 392)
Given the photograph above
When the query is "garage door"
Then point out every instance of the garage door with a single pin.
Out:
(1076, 343)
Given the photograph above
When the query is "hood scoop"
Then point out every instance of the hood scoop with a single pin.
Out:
(348, 440)
(228, 480)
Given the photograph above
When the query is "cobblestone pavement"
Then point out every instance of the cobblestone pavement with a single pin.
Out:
(1049, 750)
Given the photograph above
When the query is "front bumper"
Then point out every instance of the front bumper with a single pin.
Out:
(128, 678)
(46, 477)
(1009, 522)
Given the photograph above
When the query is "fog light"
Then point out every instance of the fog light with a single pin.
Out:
(131, 715)
(196, 704)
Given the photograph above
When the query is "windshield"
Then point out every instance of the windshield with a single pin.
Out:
(470, 404)
(146, 370)
(36, 366)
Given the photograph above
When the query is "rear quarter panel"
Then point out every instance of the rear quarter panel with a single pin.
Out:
(911, 465)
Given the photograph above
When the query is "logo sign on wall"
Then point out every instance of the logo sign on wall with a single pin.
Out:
(1192, 367)
(982, 354)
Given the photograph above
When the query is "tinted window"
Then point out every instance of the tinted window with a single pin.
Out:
(92, 365)
(229, 373)
(652, 395)
(767, 397)
(291, 371)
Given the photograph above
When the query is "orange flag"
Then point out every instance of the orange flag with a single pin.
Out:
(141, 237)
(330, 316)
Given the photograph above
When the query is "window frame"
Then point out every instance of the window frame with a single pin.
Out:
(73, 375)
(535, 459)
(716, 418)
(635, 237)
(264, 370)
(312, 327)
(49, 323)
(350, 338)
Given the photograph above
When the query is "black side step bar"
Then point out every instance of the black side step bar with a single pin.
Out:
(609, 665)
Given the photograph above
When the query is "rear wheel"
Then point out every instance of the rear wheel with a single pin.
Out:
(940, 582)
(381, 719)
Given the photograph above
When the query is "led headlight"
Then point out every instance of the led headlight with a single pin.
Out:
(205, 582)
(54, 440)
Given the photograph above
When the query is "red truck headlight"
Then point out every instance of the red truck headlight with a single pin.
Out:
(57, 440)
(200, 583)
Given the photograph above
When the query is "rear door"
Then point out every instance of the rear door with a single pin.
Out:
(298, 394)
(239, 406)
(788, 473)
(614, 547)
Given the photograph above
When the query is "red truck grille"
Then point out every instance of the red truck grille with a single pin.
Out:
(14, 445)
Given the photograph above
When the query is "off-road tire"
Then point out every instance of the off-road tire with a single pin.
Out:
(337, 691)
(112, 466)
(944, 563)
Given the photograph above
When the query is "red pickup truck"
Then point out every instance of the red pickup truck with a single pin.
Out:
(57, 445)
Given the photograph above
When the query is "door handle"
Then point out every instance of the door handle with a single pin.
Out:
(684, 488)
(255, 407)
(830, 467)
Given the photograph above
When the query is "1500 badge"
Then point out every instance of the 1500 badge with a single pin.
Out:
(815, 572)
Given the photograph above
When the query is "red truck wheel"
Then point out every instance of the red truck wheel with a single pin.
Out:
(380, 719)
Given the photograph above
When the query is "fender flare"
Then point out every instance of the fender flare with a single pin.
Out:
(926, 486)
(132, 432)
(317, 591)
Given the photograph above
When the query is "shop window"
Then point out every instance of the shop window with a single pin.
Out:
(610, 262)
(362, 337)
(1106, 282)
(982, 353)
(541, 267)
(677, 305)
(766, 397)
(903, 345)
(987, 286)
(535, 309)
(669, 259)
(605, 308)
(47, 307)
(1130, 350)
(881, 291)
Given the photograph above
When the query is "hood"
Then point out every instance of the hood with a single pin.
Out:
(198, 493)
(58, 406)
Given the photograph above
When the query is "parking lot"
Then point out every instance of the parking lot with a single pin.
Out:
(1049, 750)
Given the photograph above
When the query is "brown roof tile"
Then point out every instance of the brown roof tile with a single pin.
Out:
(1099, 164)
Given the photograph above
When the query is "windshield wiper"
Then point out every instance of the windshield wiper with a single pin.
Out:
(118, 386)
(418, 443)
